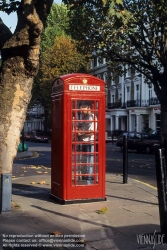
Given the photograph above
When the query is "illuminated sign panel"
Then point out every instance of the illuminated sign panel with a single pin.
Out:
(84, 87)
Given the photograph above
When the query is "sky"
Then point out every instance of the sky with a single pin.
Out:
(11, 20)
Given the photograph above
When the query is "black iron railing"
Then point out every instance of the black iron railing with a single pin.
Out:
(154, 101)
(138, 103)
(36, 116)
(134, 103)
(116, 105)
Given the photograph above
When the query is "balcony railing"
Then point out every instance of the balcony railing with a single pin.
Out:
(134, 103)
(154, 101)
(35, 116)
(115, 105)
(143, 103)
(138, 103)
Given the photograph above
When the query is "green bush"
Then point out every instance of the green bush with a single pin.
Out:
(146, 129)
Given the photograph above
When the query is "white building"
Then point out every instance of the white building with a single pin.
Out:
(131, 104)
(34, 119)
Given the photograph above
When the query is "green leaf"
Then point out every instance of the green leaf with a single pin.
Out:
(118, 1)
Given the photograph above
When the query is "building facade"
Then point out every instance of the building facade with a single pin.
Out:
(131, 104)
(34, 119)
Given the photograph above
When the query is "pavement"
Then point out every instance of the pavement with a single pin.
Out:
(25, 154)
(128, 220)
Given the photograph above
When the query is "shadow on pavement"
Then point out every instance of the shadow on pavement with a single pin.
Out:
(43, 193)
(40, 193)
(140, 201)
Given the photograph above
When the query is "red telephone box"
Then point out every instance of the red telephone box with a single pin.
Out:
(78, 139)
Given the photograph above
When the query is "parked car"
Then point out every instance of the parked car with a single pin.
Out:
(113, 135)
(38, 136)
(141, 142)
(26, 136)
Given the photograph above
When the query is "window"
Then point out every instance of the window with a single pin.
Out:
(120, 79)
(158, 120)
(119, 123)
(128, 71)
(92, 64)
(128, 93)
(120, 97)
(137, 92)
(34, 109)
(137, 136)
(95, 61)
(104, 60)
(113, 98)
(150, 93)
(105, 76)
(133, 120)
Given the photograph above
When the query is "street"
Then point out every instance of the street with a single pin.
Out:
(140, 166)
(40, 163)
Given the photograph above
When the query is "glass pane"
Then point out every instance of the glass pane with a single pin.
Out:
(97, 179)
(96, 158)
(97, 105)
(131, 135)
(84, 141)
(137, 136)
(96, 146)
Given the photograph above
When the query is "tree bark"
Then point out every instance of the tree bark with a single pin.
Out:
(160, 88)
(20, 61)
(164, 120)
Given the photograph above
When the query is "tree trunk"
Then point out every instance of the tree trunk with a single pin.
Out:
(160, 89)
(14, 98)
(164, 120)
(20, 59)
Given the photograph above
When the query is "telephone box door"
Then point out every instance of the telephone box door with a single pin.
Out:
(86, 159)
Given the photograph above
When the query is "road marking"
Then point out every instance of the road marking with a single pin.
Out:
(146, 184)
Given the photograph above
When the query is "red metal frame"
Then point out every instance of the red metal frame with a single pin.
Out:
(66, 184)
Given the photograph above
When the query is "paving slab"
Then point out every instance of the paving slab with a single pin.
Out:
(131, 211)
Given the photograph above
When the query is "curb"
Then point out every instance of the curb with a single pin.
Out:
(26, 154)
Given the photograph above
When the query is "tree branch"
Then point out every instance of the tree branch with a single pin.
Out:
(5, 34)
(43, 9)
(27, 37)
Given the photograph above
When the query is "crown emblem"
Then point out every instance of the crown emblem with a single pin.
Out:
(84, 81)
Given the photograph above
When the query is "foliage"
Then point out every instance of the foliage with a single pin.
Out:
(57, 23)
(146, 129)
(132, 33)
(59, 56)
(126, 32)
(62, 58)
(9, 6)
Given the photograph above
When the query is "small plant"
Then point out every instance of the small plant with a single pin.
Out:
(146, 129)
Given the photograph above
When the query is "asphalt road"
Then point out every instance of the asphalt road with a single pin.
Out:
(40, 163)
(140, 166)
